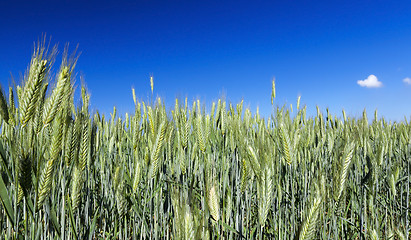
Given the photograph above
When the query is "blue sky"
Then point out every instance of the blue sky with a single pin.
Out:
(316, 49)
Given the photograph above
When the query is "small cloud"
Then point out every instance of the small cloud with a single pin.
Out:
(407, 80)
(370, 82)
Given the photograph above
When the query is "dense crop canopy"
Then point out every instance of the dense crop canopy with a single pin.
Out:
(188, 173)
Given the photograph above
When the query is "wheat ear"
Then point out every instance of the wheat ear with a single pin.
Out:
(155, 150)
(309, 226)
(286, 147)
(346, 158)
(4, 111)
(47, 173)
(53, 103)
(213, 204)
(31, 91)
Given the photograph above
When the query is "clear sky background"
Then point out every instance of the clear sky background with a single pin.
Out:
(317, 49)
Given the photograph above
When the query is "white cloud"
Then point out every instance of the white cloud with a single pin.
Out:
(370, 82)
(407, 80)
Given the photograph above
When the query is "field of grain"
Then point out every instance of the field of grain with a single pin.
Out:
(68, 172)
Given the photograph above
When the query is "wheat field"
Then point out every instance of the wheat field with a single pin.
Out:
(69, 172)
